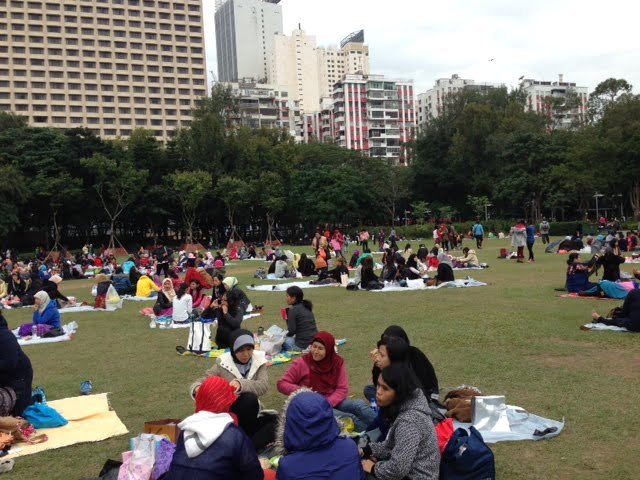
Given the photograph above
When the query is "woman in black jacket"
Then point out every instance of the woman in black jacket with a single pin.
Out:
(419, 362)
(16, 373)
(230, 317)
(306, 267)
(17, 286)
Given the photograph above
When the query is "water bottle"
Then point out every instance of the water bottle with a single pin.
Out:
(260, 331)
(374, 404)
(34, 331)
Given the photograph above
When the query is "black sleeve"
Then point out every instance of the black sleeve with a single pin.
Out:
(375, 373)
(424, 370)
(163, 301)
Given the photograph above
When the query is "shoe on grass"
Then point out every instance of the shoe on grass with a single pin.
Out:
(86, 387)
(6, 465)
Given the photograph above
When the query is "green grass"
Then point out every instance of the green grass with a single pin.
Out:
(514, 337)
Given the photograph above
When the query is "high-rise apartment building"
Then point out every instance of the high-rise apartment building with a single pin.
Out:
(432, 103)
(111, 66)
(564, 103)
(295, 64)
(266, 106)
(352, 58)
(369, 113)
(312, 71)
(245, 32)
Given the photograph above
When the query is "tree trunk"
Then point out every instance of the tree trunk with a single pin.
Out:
(634, 199)
(270, 223)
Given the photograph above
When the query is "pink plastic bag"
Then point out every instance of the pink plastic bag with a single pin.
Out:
(138, 463)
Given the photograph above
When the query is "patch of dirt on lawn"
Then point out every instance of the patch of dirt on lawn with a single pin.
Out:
(563, 342)
(617, 363)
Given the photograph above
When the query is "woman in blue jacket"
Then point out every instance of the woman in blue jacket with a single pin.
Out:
(46, 311)
(531, 239)
(310, 444)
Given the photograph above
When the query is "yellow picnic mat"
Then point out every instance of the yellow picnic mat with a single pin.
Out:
(90, 420)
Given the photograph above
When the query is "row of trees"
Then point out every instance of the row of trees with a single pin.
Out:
(486, 149)
(213, 179)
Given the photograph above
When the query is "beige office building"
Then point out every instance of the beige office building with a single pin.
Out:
(108, 65)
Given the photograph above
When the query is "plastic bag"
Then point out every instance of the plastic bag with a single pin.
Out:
(113, 299)
(94, 291)
(138, 464)
(274, 337)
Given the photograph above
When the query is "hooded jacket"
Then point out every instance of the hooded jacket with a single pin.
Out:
(211, 446)
(15, 368)
(411, 447)
(470, 258)
(309, 441)
(145, 286)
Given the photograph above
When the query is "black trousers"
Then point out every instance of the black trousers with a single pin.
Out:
(530, 248)
(260, 429)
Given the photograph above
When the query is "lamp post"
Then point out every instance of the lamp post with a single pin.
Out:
(486, 210)
(619, 197)
(597, 196)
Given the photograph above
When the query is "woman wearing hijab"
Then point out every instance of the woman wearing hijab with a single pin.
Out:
(245, 368)
(323, 371)
(211, 445)
(46, 311)
(16, 374)
(164, 302)
(420, 364)
(310, 444)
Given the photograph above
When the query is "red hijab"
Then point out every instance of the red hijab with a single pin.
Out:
(215, 395)
(324, 375)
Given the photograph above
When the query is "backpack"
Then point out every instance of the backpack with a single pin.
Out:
(467, 457)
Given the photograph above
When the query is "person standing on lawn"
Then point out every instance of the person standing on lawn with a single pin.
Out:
(519, 239)
(545, 227)
(531, 239)
(478, 233)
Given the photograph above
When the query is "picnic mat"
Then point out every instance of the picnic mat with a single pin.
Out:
(138, 299)
(522, 426)
(69, 329)
(575, 295)
(283, 286)
(602, 327)
(419, 284)
(90, 420)
(84, 308)
(186, 325)
(631, 260)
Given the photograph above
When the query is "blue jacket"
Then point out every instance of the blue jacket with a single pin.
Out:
(121, 283)
(50, 316)
(531, 234)
(231, 457)
(127, 266)
(478, 229)
(312, 447)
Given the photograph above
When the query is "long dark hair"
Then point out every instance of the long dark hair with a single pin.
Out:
(298, 294)
(403, 381)
(398, 350)
(572, 258)
(182, 289)
(232, 301)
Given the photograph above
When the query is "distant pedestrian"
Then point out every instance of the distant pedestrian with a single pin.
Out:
(545, 227)
(478, 233)
(531, 239)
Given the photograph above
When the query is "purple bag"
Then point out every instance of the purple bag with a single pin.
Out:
(164, 456)
(26, 329)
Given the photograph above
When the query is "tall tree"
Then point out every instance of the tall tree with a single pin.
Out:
(117, 184)
(191, 188)
(236, 194)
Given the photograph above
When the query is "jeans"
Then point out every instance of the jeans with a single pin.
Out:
(360, 412)
(479, 239)
(369, 392)
(290, 344)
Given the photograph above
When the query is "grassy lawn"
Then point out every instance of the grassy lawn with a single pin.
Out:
(514, 337)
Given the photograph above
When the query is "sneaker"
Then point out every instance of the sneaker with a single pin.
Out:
(86, 387)
(38, 395)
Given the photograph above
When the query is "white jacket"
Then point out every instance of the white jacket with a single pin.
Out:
(182, 308)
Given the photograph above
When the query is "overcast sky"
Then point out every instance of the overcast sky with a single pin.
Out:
(587, 41)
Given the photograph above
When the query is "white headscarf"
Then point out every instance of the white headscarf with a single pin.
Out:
(44, 300)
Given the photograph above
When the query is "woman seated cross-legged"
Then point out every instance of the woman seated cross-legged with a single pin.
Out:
(246, 371)
(323, 371)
